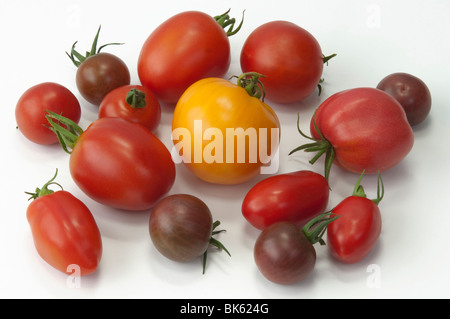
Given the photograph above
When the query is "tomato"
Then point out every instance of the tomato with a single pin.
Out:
(181, 228)
(284, 253)
(31, 107)
(184, 49)
(411, 92)
(290, 58)
(352, 237)
(64, 230)
(134, 103)
(222, 134)
(296, 197)
(98, 73)
(360, 129)
(118, 163)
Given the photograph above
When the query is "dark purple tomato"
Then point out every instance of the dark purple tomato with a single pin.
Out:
(411, 92)
(99, 74)
(283, 254)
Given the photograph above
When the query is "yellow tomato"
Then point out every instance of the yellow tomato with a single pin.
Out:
(223, 134)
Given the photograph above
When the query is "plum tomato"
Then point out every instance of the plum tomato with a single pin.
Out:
(284, 253)
(353, 236)
(360, 129)
(185, 48)
(411, 92)
(31, 110)
(181, 228)
(64, 230)
(288, 56)
(98, 73)
(116, 162)
(296, 197)
(223, 133)
(134, 103)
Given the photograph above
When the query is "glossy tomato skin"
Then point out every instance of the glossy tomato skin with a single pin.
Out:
(65, 232)
(180, 227)
(122, 164)
(114, 104)
(412, 94)
(31, 109)
(353, 235)
(213, 106)
(99, 74)
(288, 56)
(184, 49)
(367, 128)
(283, 254)
(296, 197)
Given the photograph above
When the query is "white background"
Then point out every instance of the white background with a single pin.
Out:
(371, 38)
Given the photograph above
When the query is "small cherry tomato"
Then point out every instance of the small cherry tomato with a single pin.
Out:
(31, 110)
(219, 139)
(185, 48)
(411, 92)
(134, 103)
(360, 129)
(296, 197)
(181, 228)
(290, 58)
(64, 230)
(284, 253)
(116, 162)
(98, 73)
(352, 237)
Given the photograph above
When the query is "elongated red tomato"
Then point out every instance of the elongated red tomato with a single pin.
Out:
(361, 129)
(296, 197)
(64, 231)
(184, 49)
(354, 234)
(119, 163)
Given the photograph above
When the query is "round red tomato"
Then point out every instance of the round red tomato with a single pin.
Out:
(118, 163)
(295, 197)
(353, 235)
(31, 110)
(184, 49)
(64, 230)
(134, 103)
(361, 129)
(290, 58)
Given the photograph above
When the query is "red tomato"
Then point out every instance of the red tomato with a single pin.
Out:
(134, 103)
(354, 234)
(119, 163)
(64, 230)
(31, 107)
(184, 49)
(290, 58)
(295, 197)
(361, 129)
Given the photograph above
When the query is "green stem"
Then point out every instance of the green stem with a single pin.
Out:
(224, 21)
(214, 242)
(317, 226)
(67, 130)
(39, 192)
(136, 99)
(359, 189)
(252, 84)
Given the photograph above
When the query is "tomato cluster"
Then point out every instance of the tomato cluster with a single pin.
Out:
(224, 132)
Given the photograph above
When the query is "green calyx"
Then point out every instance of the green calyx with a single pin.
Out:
(317, 226)
(39, 192)
(136, 99)
(77, 58)
(224, 21)
(67, 130)
(214, 242)
(325, 61)
(319, 146)
(359, 189)
(252, 84)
